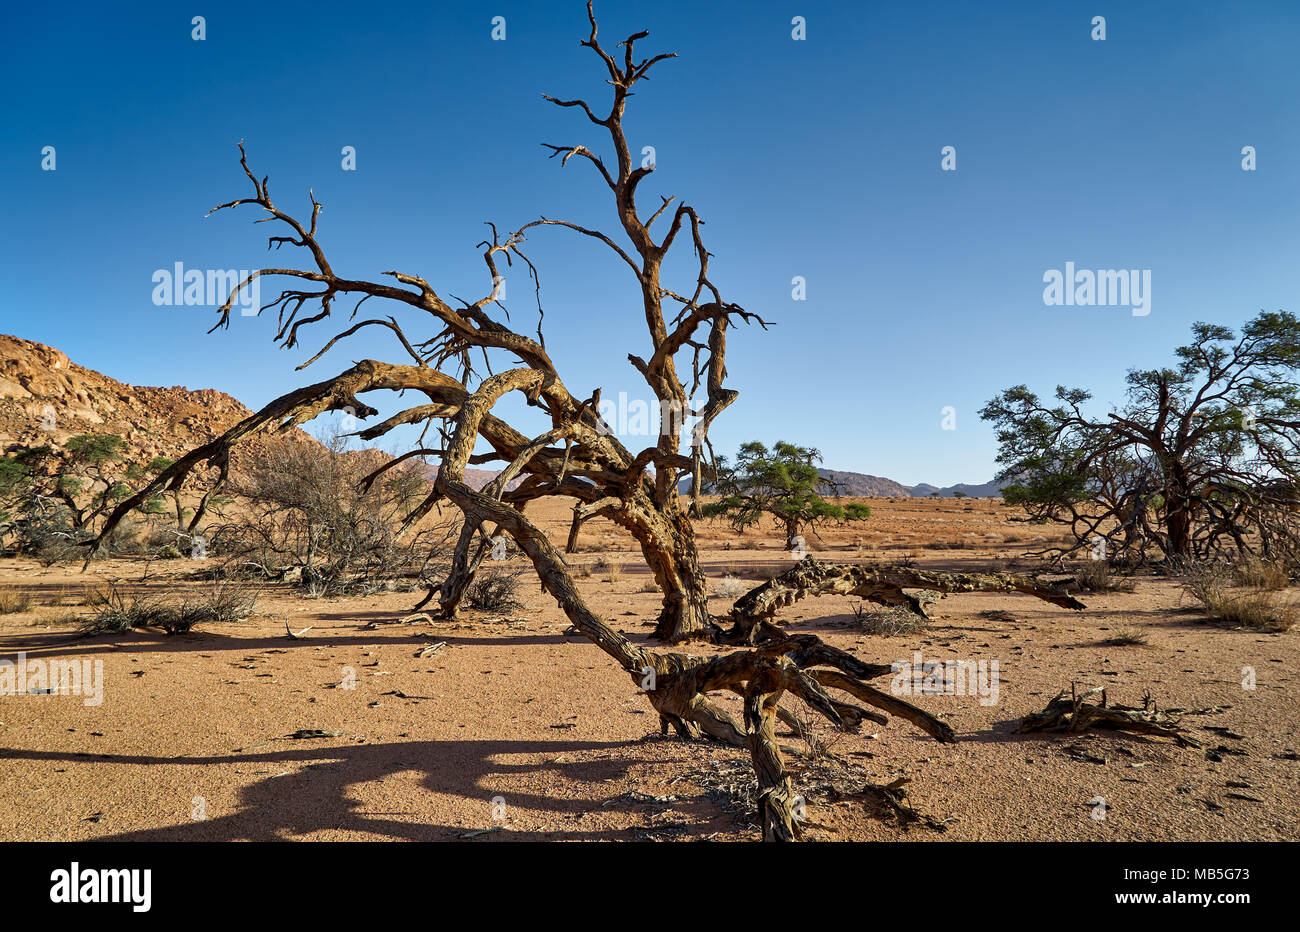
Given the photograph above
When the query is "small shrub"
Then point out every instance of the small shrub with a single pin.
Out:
(1126, 636)
(56, 549)
(649, 586)
(227, 601)
(494, 591)
(117, 612)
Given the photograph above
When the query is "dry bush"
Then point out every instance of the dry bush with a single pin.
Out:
(818, 740)
(1097, 576)
(117, 611)
(310, 519)
(648, 586)
(890, 622)
(1214, 585)
(1261, 575)
(14, 600)
(494, 590)
(612, 569)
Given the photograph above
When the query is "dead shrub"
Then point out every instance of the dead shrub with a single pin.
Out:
(117, 611)
(729, 587)
(494, 590)
(330, 520)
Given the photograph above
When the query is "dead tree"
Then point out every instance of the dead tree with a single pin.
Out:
(577, 456)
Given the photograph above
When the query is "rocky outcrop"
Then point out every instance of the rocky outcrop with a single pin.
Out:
(45, 398)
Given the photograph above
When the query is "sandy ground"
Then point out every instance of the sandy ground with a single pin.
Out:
(516, 731)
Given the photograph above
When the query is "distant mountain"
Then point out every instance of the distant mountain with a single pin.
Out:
(856, 483)
(990, 489)
(862, 485)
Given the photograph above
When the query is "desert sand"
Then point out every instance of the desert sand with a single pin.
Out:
(514, 730)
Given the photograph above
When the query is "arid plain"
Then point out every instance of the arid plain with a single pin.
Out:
(515, 729)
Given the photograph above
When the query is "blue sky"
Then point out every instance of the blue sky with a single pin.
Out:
(817, 158)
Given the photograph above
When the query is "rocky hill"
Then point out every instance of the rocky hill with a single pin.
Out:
(990, 489)
(45, 398)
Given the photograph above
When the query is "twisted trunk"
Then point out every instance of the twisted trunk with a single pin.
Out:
(667, 539)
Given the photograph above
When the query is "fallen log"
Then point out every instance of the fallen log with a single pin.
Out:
(899, 586)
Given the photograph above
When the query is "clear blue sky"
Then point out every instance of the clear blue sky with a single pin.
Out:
(818, 158)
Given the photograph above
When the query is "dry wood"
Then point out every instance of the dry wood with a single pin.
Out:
(1073, 713)
(894, 585)
(296, 635)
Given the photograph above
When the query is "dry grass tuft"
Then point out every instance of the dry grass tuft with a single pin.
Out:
(891, 622)
(1215, 586)
(14, 600)
(1097, 576)
(1261, 575)
(729, 587)
(1126, 636)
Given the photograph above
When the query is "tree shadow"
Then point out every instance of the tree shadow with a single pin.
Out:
(315, 798)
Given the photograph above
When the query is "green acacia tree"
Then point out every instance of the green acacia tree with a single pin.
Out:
(784, 483)
(1201, 456)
